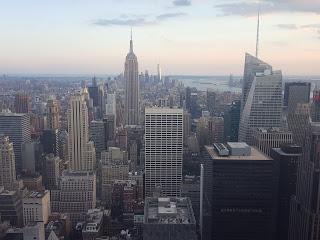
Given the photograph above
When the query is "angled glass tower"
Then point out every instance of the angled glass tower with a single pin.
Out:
(261, 98)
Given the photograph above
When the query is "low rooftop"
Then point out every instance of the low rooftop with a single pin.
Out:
(255, 154)
(35, 194)
(272, 130)
(168, 211)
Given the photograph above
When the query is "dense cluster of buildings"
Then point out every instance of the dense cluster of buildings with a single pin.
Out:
(143, 157)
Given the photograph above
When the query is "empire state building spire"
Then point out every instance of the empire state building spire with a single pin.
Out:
(131, 76)
(131, 42)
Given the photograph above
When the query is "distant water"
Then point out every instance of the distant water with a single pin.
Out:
(221, 83)
(218, 83)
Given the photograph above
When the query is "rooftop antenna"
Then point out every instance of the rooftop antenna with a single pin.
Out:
(258, 32)
(131, 43)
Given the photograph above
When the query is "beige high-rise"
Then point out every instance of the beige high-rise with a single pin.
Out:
(81, 151)
(52, 114)
(77, 187)
(7, 164)
(131, 77)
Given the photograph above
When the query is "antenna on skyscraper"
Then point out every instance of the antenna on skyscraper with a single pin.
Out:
(131, 43)
(258, 32)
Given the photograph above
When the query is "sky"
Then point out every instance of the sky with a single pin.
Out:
(189, 37)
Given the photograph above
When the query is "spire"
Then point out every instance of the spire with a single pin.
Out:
(131, 42)
(258, 32)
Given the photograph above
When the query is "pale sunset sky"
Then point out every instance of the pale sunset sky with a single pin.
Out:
(200, 37)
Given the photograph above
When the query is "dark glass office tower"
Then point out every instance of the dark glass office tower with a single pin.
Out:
(240, 193)
(287, 158)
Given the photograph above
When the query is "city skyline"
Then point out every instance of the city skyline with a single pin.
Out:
(184, 36)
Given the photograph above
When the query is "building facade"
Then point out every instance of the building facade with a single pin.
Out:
(262, 98)
(76, 195)
(240, 193)
(294, 93)
(17, 128)
(81, 151)
(36, 207)
(266, 139)
(7, 164)
(163, 150)
(22, 103)
(287, 157)
(52, 113)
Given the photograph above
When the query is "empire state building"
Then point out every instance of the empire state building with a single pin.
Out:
(131, 76)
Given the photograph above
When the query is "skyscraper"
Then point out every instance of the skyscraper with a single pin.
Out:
(296, 92)
(52, 167)
(262, 98)
(186, 126)
(252, 66)
(288, 157)
(216, 129)
(211, 101)
(111, 106)
(163, 150)
(298, 123)
(96, 93)
(52, 114)
(240, 189)
(304, 207)
(81, 152)
(109, 130)
(76, 192)
(22, 103)
(17, 128)
(231, 121)
(97, 135)
(50, 141)
(266, 139)
(131, 76)
(159, 73)
(7, 164)
(316, 105)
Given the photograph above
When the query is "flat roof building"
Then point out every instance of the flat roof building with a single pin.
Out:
(169, 218)
(240, 194)
(36, 206)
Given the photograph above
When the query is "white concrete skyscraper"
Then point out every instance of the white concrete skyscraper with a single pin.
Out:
(261, 98)
(81, 151)
(252, 66)
(131, 76)
(163, 151)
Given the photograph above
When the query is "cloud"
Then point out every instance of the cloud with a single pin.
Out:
(250, 7)
(134, 22)
(137, 21)
(287, 26)
(311, 26)
(181, 3)
(169, 15)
